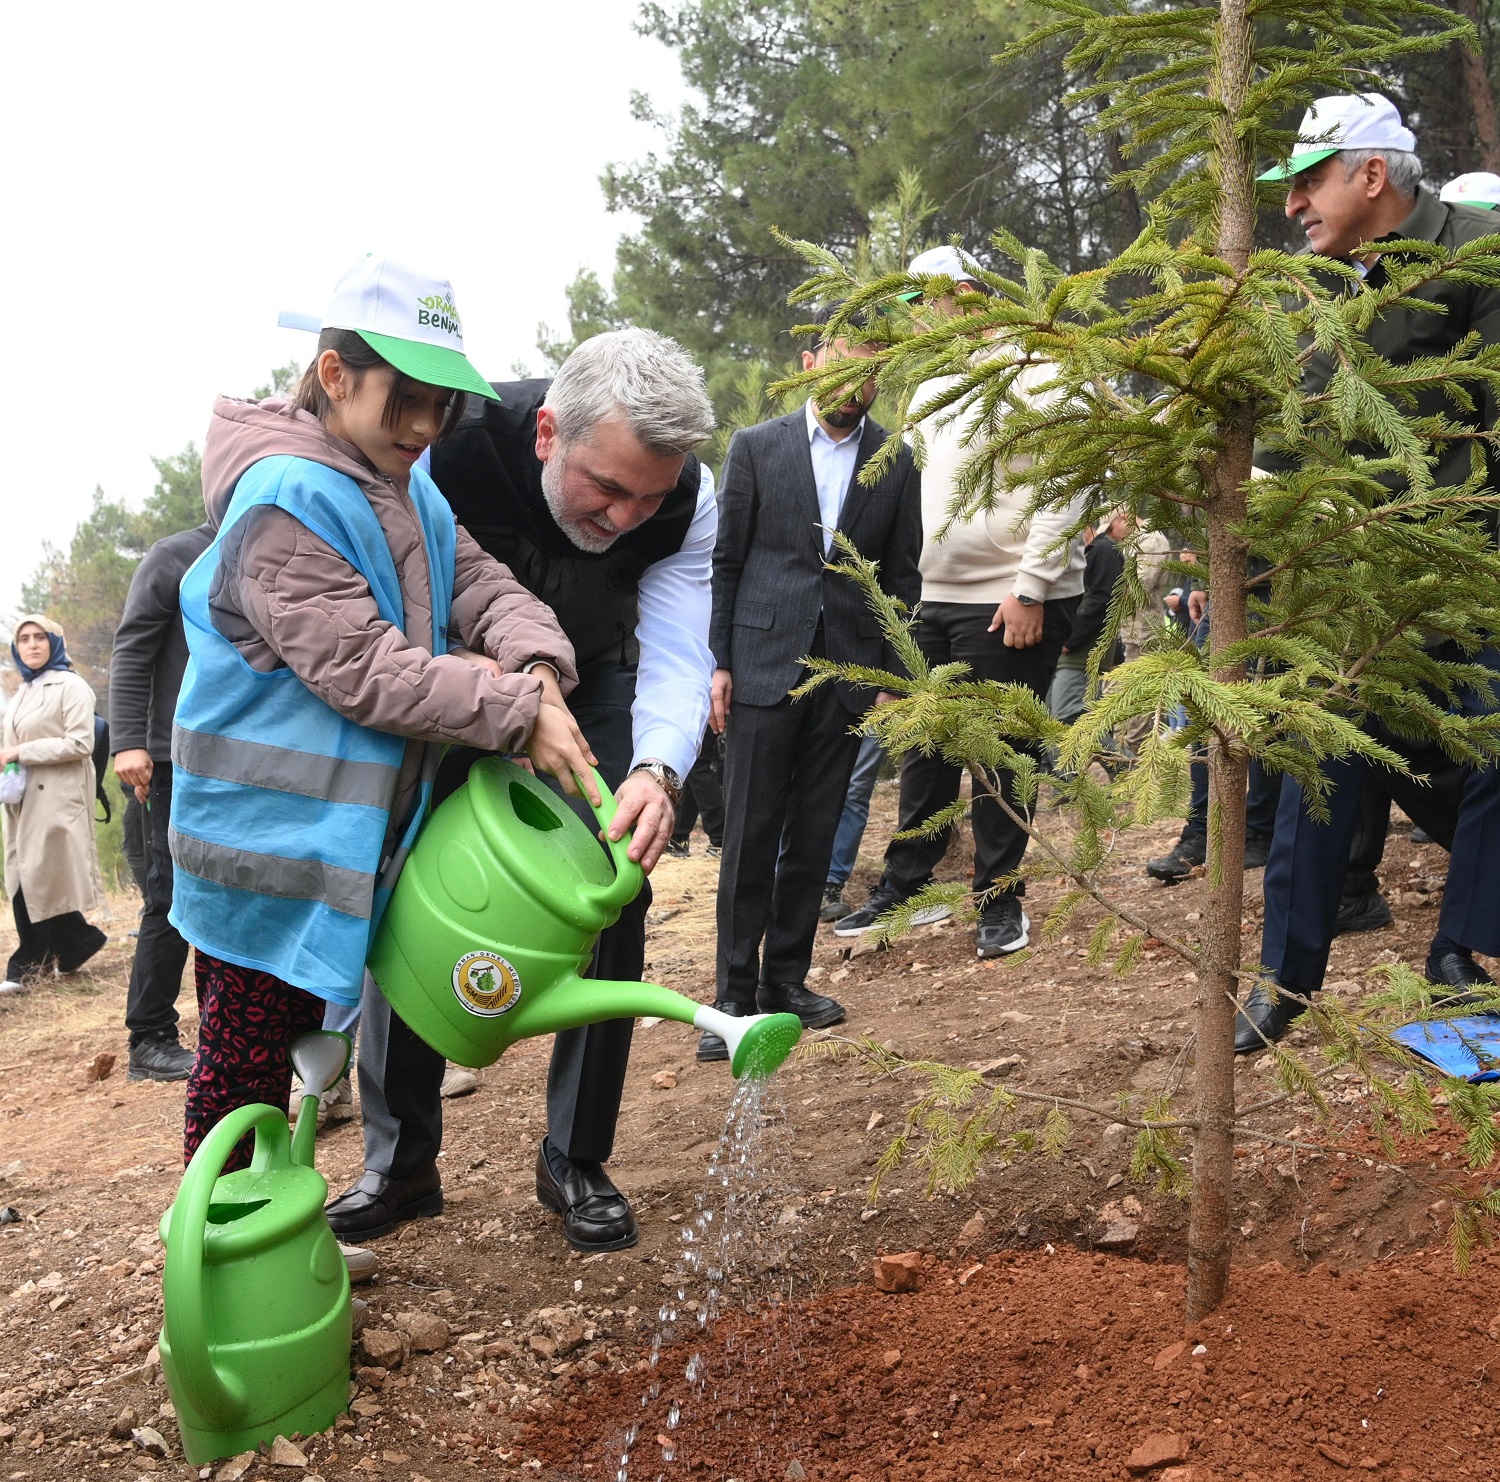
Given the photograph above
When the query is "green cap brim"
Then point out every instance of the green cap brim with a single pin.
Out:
(1297, 164)
(434, 365)
(1477, 205)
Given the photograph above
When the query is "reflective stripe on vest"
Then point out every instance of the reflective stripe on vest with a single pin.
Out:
(349, 891)
(306, 772)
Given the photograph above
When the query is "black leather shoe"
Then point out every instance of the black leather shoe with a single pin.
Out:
(1362, 913)
(377, 1204)
(1265, 1015)
(712, 1047)
(596, 1215)
(1257, 851)
(1459, 971)
(1189, 851)
(813, 1009)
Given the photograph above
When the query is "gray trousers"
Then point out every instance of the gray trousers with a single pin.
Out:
(401, 1076)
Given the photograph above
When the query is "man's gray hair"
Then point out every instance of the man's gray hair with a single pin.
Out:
(1402, 168)
(638, 377)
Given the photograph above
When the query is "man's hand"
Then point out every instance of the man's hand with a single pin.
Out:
(1197, 601)
(719, 696)
(644, 810)
(556, 745)
(134, 768)
(1022, 624)
(885, 697)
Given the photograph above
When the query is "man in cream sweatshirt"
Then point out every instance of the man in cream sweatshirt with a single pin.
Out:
(998, 594)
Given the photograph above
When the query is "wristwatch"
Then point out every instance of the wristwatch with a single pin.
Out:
(668, 780)
(1025, 601)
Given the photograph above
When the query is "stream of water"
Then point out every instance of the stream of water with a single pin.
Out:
(735, 1254)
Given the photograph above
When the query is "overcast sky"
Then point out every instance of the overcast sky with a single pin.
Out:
(177, 173)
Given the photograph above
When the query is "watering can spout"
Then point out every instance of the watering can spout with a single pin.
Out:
(757, 1044)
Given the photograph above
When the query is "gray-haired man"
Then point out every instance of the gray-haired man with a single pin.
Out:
(586, 487)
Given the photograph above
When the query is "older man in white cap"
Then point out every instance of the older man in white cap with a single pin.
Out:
(999, 592)
(1354, 183)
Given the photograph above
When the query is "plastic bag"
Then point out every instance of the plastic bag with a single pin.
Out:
(13, 783)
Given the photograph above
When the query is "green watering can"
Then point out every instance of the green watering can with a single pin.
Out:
(493, 921)
(256, 1320)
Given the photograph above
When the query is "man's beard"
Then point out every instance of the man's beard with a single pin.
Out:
(584, 536)
(844, 417)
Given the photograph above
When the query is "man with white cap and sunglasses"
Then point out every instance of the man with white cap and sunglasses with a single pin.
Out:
(1354, 181)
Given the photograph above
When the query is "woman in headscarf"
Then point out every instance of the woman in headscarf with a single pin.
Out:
(51, 863)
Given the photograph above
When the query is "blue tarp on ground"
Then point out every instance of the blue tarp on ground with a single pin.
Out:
(1469, 1048)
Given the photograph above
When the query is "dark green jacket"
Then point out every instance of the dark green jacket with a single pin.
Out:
(1402, 335)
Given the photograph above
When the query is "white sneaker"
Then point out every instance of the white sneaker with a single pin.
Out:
(336, 1104)
(363, 1264)
(459, 1081)
(10, 985)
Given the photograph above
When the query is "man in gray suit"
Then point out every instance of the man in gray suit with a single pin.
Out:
(787, 485)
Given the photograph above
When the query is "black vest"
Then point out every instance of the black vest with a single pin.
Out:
(487, 469)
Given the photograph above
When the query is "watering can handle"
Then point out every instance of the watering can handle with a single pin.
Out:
(611, 899)
(219, 1399)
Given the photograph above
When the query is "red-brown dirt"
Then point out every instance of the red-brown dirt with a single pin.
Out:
(544, 1362)
(1058, 1364)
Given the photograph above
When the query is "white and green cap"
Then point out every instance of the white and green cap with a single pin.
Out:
(406, 317)
(1345, 121)
(1477, 189)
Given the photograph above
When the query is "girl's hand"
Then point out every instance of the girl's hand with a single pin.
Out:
(9, 755)
(556, 745)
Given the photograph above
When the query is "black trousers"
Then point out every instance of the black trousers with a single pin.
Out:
(65, 941)
(133, 841)
(1440, 799)
(957, 632)
(401, 1076)
(160, 953)
(786, 770)
(703, 794)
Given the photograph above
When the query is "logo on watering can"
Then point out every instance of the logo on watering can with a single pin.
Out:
(486, 985)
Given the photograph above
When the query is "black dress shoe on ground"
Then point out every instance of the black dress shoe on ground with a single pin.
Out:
(1003, 927)
(1459, 971)
(596, 1215)
(712, 1047)
(834, 907)
(159, 1060)
(377, 1204)
(1265, 1015)
(813, 1009)
(1188, 852)
(1257, 851)
(1362, 913)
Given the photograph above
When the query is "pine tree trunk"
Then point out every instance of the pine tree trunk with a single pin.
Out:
(1480, 93)
(1209, 1221)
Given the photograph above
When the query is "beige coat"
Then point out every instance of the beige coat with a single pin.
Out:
(49, 838)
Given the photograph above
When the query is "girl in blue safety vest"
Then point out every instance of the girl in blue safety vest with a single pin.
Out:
(340, 627)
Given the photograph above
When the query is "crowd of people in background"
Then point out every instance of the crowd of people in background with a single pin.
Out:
(405, 567)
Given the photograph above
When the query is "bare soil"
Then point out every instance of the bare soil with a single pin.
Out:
(1037, 1364)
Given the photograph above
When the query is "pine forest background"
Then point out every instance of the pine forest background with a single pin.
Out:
(873, 128)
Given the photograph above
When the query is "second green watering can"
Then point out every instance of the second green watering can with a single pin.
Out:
(493, 922)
